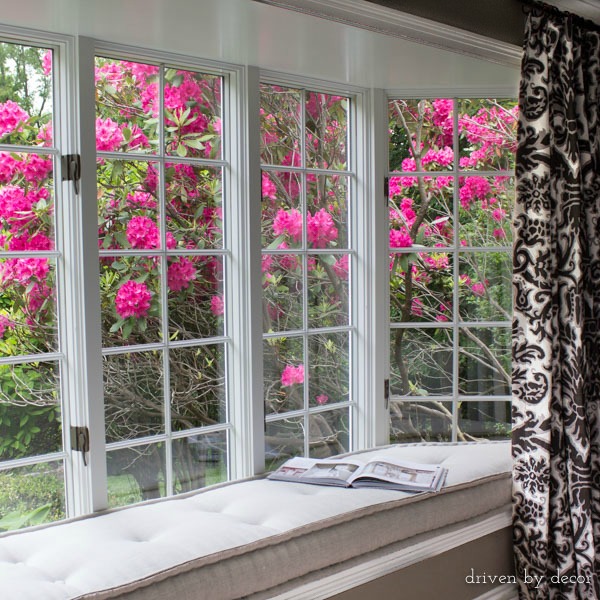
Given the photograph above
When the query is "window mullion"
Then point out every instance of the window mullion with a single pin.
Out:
(81, 305)
(372, 285)
(244, 277)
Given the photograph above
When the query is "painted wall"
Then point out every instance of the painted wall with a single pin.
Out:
(246, 32)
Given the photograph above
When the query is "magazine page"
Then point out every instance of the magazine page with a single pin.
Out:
(402, 475)
(322, 472)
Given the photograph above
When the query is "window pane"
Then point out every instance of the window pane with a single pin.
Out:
(283, 439)
(30, 411)
(32, 495)
(135, 474)
(197, 377)
(421, 287)
(26, 201)
(421, 211)
(130, 296)
(485, 286)
(326, 131)
(488, 134)
(133, 395)
(280, 118)
(327, 216)
(128, 213)
(420, 422)
(421, 135)
(194, 207)
(26, 83)
(28, 320)
(199, 460)
(329, 433)
(486, 210)
(421, 361)
(282, 292)
(484, 420)
(484, 361)
(196, 301)
(126, 106)
(328, 290)
(283, 374)
(329, 362)
(192, 114)
(282, 222)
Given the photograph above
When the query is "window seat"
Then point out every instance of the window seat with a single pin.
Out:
(255, 538)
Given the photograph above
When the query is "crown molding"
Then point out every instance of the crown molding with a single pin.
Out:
(387, 21)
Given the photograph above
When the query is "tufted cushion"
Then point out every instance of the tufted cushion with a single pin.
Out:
(244, 537)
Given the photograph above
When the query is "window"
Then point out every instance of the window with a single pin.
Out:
(163, 256)
(141, 280)
(451, 187)
(32, 336)
(306, 265)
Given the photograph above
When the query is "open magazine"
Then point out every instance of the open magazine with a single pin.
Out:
(379, 472)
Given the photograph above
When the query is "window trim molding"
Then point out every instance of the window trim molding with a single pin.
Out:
(387, 21)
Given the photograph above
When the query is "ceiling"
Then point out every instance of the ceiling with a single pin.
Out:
(498, 19)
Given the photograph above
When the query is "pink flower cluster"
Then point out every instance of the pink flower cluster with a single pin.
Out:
(217, 306)
(109, 136)
(473, 188)
(320, 227)
(12, 117)
(292, 375)
(143, 233)
(133, 300)
(180, 273)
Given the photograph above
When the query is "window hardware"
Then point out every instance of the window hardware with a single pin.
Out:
(71, 169)
(386, 393)
(80, 441)
(386, 190)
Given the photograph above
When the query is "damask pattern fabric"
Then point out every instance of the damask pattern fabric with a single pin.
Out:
(556, 328)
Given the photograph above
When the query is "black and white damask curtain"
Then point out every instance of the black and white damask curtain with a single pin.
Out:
(556, 329)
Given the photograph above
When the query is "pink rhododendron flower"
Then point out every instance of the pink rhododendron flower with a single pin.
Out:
(142, 232)
(395, 186)
(133, 300)
(340, 267)
(473, 187)
(437, 261)
(47, 62)
(499, 234)
(142, 199)
(498, 214)
(12, 117)
(8, 167)
(38, 241)
(322, 399)
(109, 136)
(45, 134)
(36, 168)
(217, 305)
(288, 222)
(5, 323)
(320, 228)
(269, 190)
(400, 238)
(180, 273)
(292, 375)
(15, 206)
(24, 270)
(478, 289)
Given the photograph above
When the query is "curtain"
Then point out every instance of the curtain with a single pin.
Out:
(556, 327)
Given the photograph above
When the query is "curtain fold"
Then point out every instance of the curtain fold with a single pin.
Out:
(556, 327)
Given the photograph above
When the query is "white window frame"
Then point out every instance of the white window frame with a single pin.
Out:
(456, 94)
(364, 431)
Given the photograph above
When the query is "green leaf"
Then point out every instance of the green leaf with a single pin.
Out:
(273, 245)
(127, 329)
(181, 150)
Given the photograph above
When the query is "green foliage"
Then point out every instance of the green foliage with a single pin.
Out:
(26, 491)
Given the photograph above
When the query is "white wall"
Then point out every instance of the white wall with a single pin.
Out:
(245, 32)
